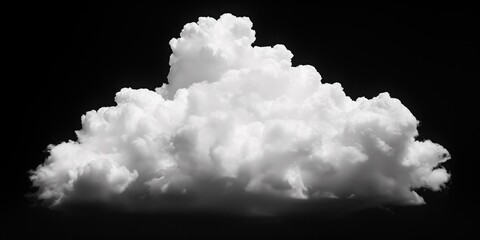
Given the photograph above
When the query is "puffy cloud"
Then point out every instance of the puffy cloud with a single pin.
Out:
(239, 127)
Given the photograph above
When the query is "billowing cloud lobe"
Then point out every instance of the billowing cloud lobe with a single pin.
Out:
(240, 122)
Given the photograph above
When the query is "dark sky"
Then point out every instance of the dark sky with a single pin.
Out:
(69, 59)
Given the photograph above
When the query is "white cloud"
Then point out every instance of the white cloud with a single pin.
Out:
(240, 122)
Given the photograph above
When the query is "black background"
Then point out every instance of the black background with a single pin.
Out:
(66, 59)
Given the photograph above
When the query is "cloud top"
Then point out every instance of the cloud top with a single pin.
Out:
(239, 124)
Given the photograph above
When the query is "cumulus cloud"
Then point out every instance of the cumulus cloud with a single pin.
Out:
(238, 126)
